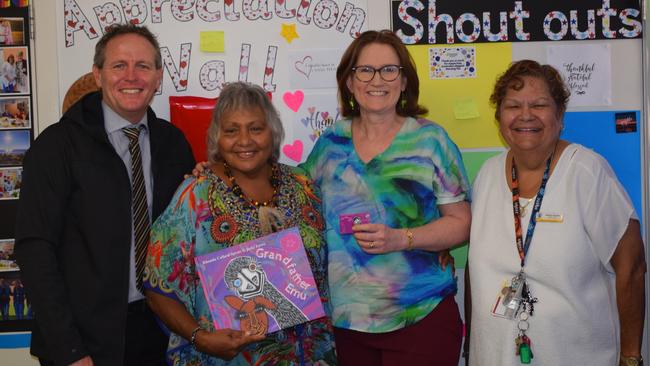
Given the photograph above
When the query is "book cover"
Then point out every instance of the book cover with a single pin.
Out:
(262, 285)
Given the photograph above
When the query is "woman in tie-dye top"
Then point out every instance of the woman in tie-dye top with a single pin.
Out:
(392, 301)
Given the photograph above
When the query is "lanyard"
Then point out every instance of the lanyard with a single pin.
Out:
(522, 247)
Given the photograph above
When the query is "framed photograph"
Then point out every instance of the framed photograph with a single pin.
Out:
(13, 146)
(15, 113)
(7, 259)
(10, 181)
(12, 31)
(14, 70)
(14, 304)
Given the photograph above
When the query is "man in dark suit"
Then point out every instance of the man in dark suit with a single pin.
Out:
(78, 235)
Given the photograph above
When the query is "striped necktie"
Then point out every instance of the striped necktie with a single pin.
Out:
(140, 210)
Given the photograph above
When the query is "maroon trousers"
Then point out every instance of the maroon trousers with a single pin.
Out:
(434, 340)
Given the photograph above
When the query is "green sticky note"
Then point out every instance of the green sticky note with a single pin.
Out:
(465, 108)
(212, 41)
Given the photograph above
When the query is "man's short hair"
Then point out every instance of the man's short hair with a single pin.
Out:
(121, 29)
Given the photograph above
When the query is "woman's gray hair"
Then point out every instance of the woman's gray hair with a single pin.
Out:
(242, 95)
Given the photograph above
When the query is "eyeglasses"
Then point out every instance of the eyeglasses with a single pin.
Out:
(365, 73)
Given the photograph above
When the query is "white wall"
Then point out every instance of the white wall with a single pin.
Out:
(45, 56)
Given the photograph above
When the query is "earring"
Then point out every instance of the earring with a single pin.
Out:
(351, 102)
(402, 102)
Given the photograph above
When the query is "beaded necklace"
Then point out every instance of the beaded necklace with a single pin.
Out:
(236, 189)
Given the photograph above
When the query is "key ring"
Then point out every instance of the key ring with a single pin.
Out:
(523, 324)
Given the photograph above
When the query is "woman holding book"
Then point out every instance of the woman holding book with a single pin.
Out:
(244, 194)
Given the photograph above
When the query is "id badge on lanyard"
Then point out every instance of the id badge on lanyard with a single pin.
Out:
(514, 302)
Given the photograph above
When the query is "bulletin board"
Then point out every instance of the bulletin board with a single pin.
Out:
(291, 48)
(16, 135)
(460, 48)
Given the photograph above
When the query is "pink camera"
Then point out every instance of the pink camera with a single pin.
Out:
(346, 221)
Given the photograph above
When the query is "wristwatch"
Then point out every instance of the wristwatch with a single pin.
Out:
(631, 361)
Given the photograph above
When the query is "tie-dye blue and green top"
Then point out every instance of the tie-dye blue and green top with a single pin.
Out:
(400, 187)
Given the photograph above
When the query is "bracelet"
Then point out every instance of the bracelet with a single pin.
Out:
(409, 237)
(193, 337)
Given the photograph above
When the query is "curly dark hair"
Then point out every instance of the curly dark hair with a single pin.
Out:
(350, 58)
(513, 79)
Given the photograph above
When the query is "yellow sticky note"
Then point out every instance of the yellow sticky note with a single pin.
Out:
(465, 108)
(212, 41)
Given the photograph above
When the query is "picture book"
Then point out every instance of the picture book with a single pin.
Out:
(262, 285)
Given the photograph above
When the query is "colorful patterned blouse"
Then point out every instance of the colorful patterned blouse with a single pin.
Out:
(205, 216)
(401, 187)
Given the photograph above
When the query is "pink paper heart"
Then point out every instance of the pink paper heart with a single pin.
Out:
(324, 114)
(311, 110)
(293, 151)
(293, 100)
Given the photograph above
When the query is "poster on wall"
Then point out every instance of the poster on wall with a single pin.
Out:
(468, 21)
(313, 113)
(313, 68)
(587, 70)
(282, 46)
(452, 62)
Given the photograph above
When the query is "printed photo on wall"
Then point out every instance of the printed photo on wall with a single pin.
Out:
(625, 122)
(13, 146)
(12, 31)
(7, 258)
(14, 113)
(14, 70)
(11, 180)
(14, 304)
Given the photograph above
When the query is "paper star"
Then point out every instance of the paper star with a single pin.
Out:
(289, 32)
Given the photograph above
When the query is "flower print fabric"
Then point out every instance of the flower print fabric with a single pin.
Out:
(205, 216)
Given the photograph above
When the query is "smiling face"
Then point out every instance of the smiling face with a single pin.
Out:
(128, 78)
(529, 118)
(245, 140)
(377, 96)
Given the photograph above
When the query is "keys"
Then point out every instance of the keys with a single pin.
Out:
(522, 342)
(523, 348)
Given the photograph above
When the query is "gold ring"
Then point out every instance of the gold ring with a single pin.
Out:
(372, 244)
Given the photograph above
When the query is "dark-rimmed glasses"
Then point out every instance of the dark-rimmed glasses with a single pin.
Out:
(365, 73)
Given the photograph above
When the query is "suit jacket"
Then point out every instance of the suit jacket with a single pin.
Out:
(73, 232)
